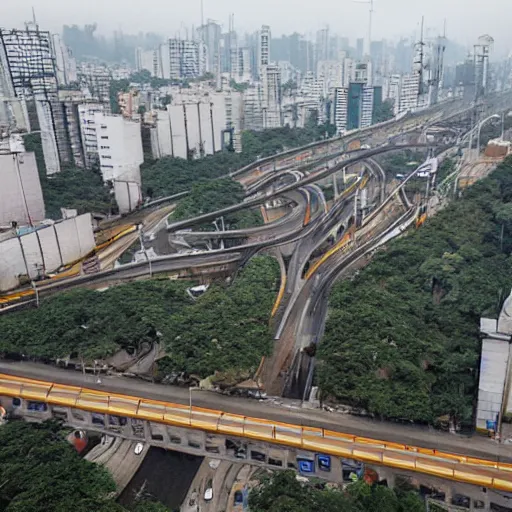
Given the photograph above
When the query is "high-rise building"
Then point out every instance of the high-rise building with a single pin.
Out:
(210, 34)
(359, 48)
(367, 104)
(322, 45)
(253, 114)
(354, 105)
(271, 97)
(29, 74)
(340, 109)
(263, 48)
(187, 58)
(65, 63)
(235, 118)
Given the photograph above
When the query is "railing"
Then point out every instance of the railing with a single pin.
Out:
(459, 467)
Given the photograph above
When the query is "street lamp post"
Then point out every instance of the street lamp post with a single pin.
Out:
(494, 116)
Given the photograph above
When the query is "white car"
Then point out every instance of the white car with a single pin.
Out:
(208, 494)
(138, 448)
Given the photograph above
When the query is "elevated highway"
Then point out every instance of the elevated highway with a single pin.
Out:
(152, 409)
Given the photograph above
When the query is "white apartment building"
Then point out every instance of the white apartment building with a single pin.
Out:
(271, 97)
(21, 197)
(119, 148)
(146, 59)
(409, 88)
(195, 123)
(263, 48)
(340, 109)
(120, 154)
(187, 58)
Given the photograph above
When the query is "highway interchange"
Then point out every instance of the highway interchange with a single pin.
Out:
(300, 322)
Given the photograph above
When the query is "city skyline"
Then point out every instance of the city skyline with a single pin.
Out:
(390, 19)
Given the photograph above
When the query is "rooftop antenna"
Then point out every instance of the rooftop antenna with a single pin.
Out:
(370, 3)
(420, 46)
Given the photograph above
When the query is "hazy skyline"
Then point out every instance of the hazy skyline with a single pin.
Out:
(392, 18)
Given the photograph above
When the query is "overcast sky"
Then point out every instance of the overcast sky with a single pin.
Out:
(466, 19)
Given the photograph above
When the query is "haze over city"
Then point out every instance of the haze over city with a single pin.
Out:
(392, 18)
(255, 256)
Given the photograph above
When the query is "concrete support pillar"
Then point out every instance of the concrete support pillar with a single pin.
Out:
(147, 432)
(448, 495)
(335, 185)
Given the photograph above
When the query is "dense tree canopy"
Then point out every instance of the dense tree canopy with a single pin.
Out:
(71, 188)
(40, 471)
(281, 492)
(210, 196)
(402, 338)
(226, 328)
(383, 112)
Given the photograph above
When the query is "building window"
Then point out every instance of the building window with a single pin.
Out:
(104, 147)
(105, 137)
(107, 157)
(103, 126)
(107, 166)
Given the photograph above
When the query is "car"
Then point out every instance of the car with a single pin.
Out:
(238, 498)
(208, 494)
(138, 448)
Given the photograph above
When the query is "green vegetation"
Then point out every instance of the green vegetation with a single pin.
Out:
(169, 175)
(281, 492)
(71, 188)
(210, 196)
(402, 338)
(383, 112)
(40, 471)
(226, 328)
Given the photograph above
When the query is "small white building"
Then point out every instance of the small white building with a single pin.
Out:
(21, 197)
(494, 396)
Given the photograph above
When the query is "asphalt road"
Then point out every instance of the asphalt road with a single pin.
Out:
(282, 411)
